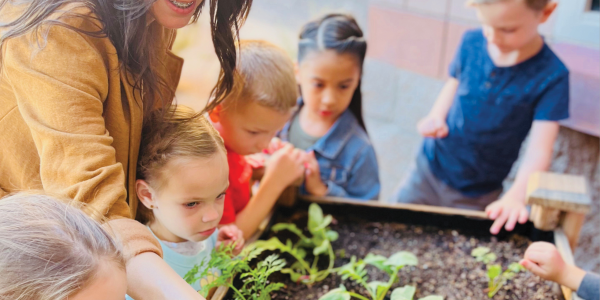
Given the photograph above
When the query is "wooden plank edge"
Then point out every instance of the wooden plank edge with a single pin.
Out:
(414, 207)
(562, 244)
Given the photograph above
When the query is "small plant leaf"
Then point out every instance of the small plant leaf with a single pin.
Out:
(493, 271)
(326, 221)
(406, 292)
(432, 297)
(402, 258)
(376, 288)
(480, 251)
(336, 294)
(516, 267)
(376, 260)
(321, 248)
(288, 226)
(332, 235)
(315, 217)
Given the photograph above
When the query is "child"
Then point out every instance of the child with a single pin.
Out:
(182, 178)
(329, 124)
(53, 251)
(504, 81)
(543, 260)
(261, 102)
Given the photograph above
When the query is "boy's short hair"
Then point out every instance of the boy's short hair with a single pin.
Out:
(265, 75)
(536, 5)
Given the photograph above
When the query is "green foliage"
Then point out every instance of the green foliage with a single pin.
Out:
(355, 271)
(256, 285)
(319, 243)
(483, 254)
(496, 278)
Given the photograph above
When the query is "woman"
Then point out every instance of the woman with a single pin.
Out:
(77, 78)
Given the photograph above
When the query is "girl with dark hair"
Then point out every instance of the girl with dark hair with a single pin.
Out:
(78, 78)
(329, 123)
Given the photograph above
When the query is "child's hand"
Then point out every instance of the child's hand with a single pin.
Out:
(256, 161)
(432, 127)
(229, 234)
(544, 260)
(275, 145)
(285, 166)
(508, 210)
(312, 180)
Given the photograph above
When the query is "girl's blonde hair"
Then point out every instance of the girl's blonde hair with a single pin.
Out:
(182, 133)
(49, 250)
(265, 75)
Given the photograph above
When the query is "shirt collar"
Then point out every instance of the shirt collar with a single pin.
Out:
(332, 143)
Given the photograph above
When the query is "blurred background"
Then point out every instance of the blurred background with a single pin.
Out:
(410, 44)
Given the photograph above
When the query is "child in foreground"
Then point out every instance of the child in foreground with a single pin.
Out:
(182, 179)
(50, 250)
(262, 101)
(329, 125)
(505, 83)
(544, 260)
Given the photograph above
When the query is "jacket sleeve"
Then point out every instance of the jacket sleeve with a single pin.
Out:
(364, 177)
(60, 90)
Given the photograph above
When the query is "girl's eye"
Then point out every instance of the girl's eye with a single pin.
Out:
(508, 30)
(191, 204)
(253, 132)
(343, 87)
(318, 85)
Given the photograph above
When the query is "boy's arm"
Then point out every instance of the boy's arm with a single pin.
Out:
(285, 166)
(511, 207)
(434, 124)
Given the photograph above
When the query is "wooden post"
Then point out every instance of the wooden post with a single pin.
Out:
(558, 200)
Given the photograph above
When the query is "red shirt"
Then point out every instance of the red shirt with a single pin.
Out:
(238, 193)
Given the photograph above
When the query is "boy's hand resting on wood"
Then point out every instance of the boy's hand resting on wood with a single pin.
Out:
(432, 127)
(544, 260)
(507, 210)
(230, 234)
(285, 166)
(312, 180)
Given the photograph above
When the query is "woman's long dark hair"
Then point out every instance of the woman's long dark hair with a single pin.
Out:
(124, 23)
(340, 33)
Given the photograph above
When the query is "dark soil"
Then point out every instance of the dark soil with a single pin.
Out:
(445, 265)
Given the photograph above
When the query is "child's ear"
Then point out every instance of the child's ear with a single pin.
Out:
(215, 114)
(144, 193)
(548, 10)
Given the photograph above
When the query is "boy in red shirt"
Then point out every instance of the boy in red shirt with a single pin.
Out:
(262, 101)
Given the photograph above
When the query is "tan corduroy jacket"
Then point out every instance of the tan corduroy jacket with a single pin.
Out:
(70, 125)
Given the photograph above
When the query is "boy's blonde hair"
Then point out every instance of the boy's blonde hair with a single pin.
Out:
(536, 5)
(49, 250)
(181, 133)
(265, 75)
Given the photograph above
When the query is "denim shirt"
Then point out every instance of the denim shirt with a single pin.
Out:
(347, 160)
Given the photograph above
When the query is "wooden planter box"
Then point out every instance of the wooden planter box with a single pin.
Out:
(559, 203)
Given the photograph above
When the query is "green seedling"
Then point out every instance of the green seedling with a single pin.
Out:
(496, 278)
(355, 271)
(256, 285)
(319, 243)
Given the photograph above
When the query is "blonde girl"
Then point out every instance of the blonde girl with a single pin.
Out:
(53, 251)
(182, 179)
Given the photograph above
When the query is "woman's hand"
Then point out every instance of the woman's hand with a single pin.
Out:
(312, 181)
(231, 234)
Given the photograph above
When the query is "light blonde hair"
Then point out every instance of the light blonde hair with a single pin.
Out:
(536, 5)
(49, 250)
(265, 75)
(182, 133)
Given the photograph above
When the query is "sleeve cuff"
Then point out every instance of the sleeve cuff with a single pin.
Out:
(133, 237)
(335, 190)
